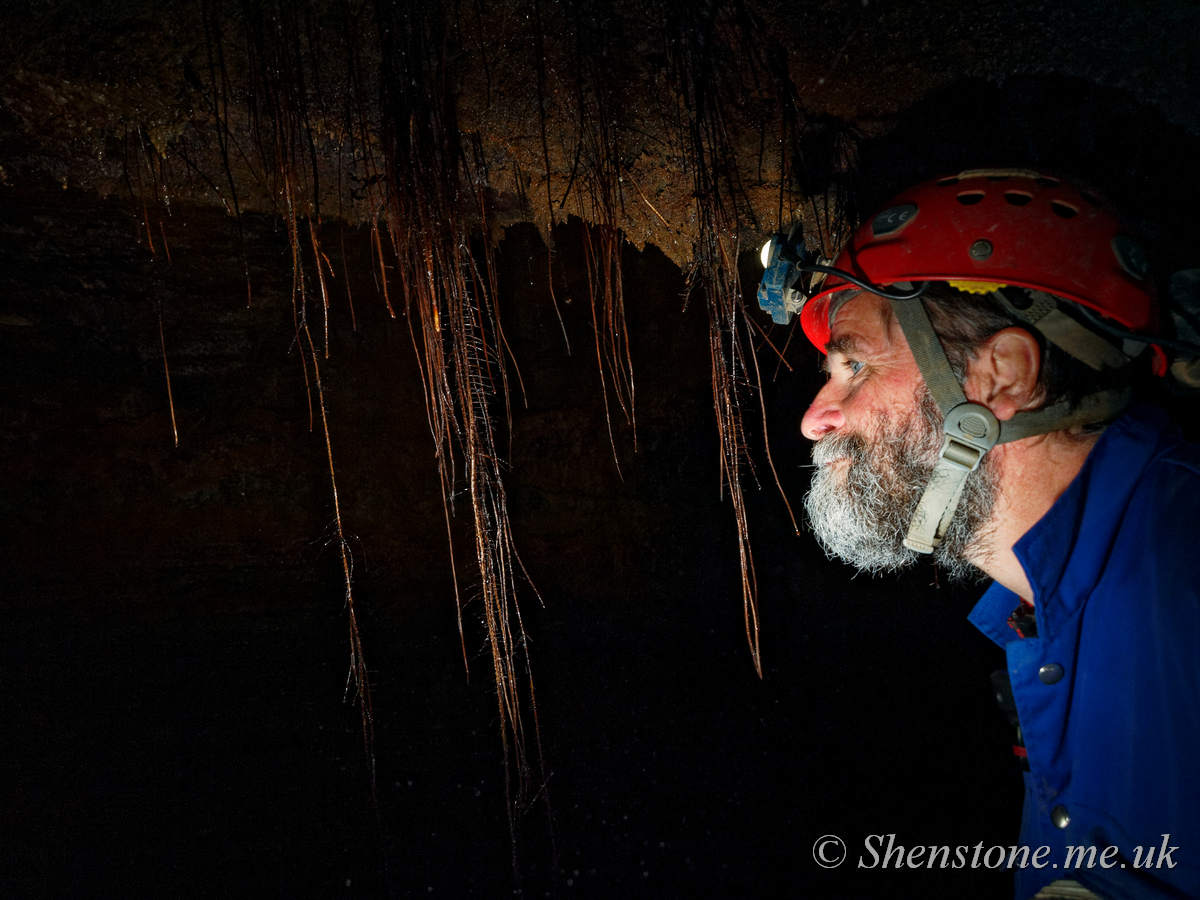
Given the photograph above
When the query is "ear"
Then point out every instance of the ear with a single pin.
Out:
(1004, 374)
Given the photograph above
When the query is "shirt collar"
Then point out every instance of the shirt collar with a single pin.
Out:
(1064, 553)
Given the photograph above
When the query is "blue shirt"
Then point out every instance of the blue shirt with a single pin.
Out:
(1114, 743)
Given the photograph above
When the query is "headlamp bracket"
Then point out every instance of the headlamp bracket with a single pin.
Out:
(781, 291)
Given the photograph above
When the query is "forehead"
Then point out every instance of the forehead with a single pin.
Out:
(865, 320)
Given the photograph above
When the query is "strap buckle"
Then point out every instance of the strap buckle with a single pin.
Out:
(969, 431)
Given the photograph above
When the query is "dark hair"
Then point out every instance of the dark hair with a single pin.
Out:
(964, 322)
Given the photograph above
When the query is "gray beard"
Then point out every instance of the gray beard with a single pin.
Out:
(860, 511)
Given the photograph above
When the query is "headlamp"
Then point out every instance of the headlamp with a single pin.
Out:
(781, 292)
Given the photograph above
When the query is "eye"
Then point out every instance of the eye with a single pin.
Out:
(854, 366)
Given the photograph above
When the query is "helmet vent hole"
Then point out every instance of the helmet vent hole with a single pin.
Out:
(1090, 198)
(1047, 182)
(1063, 210)
(946, 182)
(970, 198)
(1017, 198)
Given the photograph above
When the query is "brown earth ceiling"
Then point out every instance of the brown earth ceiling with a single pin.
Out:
(606, 111)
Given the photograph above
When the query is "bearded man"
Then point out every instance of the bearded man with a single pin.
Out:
(982, 336)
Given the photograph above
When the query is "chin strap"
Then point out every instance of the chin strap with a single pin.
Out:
(971, 430)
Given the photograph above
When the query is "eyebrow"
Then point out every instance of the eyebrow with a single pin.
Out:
(846, 345)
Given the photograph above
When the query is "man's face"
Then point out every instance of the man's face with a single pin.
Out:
(878, 434)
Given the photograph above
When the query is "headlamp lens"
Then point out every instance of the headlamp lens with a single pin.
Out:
(765, 253)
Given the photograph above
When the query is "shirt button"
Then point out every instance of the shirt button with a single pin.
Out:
(1059, 817)
(1051, 673)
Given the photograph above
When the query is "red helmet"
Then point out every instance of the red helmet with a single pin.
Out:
(991, 227)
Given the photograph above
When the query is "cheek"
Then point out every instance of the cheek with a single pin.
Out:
(896, 393)
(887, 400)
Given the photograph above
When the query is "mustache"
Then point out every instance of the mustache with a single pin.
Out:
(833, 447)
(913, 444)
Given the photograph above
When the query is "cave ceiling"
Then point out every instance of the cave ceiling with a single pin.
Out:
(618, 113)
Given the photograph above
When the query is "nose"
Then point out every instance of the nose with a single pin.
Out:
(823, 416)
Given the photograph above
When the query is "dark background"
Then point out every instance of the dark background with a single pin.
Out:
(175, 646)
